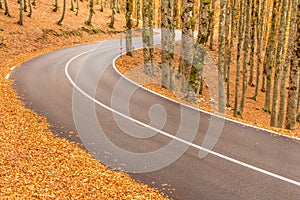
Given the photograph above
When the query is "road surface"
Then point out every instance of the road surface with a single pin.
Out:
(71, 88)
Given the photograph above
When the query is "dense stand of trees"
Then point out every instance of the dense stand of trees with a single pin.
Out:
(257, 43)
(253, 35)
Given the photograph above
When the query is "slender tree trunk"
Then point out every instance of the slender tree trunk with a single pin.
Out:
(221, 57)
(30, 8)
(212, 29)
(24, 6)
(77, 7)
(165, 40)
(172, 44)
(138, 12)
(239, 49)
(101, 6)
(20, 22)
(196, 77)
(1, 7)
(228, 46)
(246, 54)
(270, 57)
(260, 31)
(72, 6)
(252, 43)
(55, 6)
(6, 12)
(146, 36)
(278, 64)
(118, 6)
(129, 9)
(113, 12)
(91, 12)
(291, 112)
(63, 13)
(286, 66)
(186, 51)
(226, 40)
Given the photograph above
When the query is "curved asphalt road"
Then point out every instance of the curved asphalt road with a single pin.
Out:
(45, 88)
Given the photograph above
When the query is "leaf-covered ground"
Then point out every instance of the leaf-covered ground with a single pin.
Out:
(33, 163)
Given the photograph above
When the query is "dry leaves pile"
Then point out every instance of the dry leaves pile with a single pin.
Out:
(34, 164)
(253, 113)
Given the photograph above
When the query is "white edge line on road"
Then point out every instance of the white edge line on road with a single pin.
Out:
(203, 111)
(169, 135)
(7, 76)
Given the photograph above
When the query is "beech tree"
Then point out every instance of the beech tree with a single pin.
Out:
(186, 50)
(129, 9)
(20, 22)
(6, 12)
(91, 12)
(278, 65)
(1, 4)
(55, 6)
(138, 12)
(196, 78)
(212, 28)
(291, 113)
(268, 65)
(113, 12)
(63, 13)
(146, 36)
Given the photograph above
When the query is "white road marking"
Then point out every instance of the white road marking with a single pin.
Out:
(294, 182)
(7, 76)
(12, 69)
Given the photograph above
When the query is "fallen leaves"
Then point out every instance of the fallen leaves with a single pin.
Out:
(33, 163)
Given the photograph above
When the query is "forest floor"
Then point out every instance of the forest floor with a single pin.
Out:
(253, 113)
(33, 163)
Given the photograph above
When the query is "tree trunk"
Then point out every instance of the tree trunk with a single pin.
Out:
(221, 57)
(278, 64)
(166, 19)
(196, 77)
(30, 8)
(291, 112)
(239, 49)
(1, 5)
(186, 51)
(6, 12)
(269, 58)
(146, 36)
(129, 9)
(72, 6)
(91, 12)
(63, 13)
(252, 43)
(259, 32)
(229, 45)
(20, 22)
(55, 6)
(138, 12)
(101, 6)
(246, 52)
(286, 66)
(113, 12)
(212, 28)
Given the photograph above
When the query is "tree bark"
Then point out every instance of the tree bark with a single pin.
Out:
(30, 8)
(6, 12)
(20, 22)
(63, 13)
(291, 112)
(246, 52)
(269, 58)
(186, 51)
(138, 12)
(128, 16)
(252, 43)
(146, 36)
(196, 77)
(212, 28)
(91, 12)
(260, 30)
(113, 12)
(278, 64)
(55, 6)
(239, 49)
